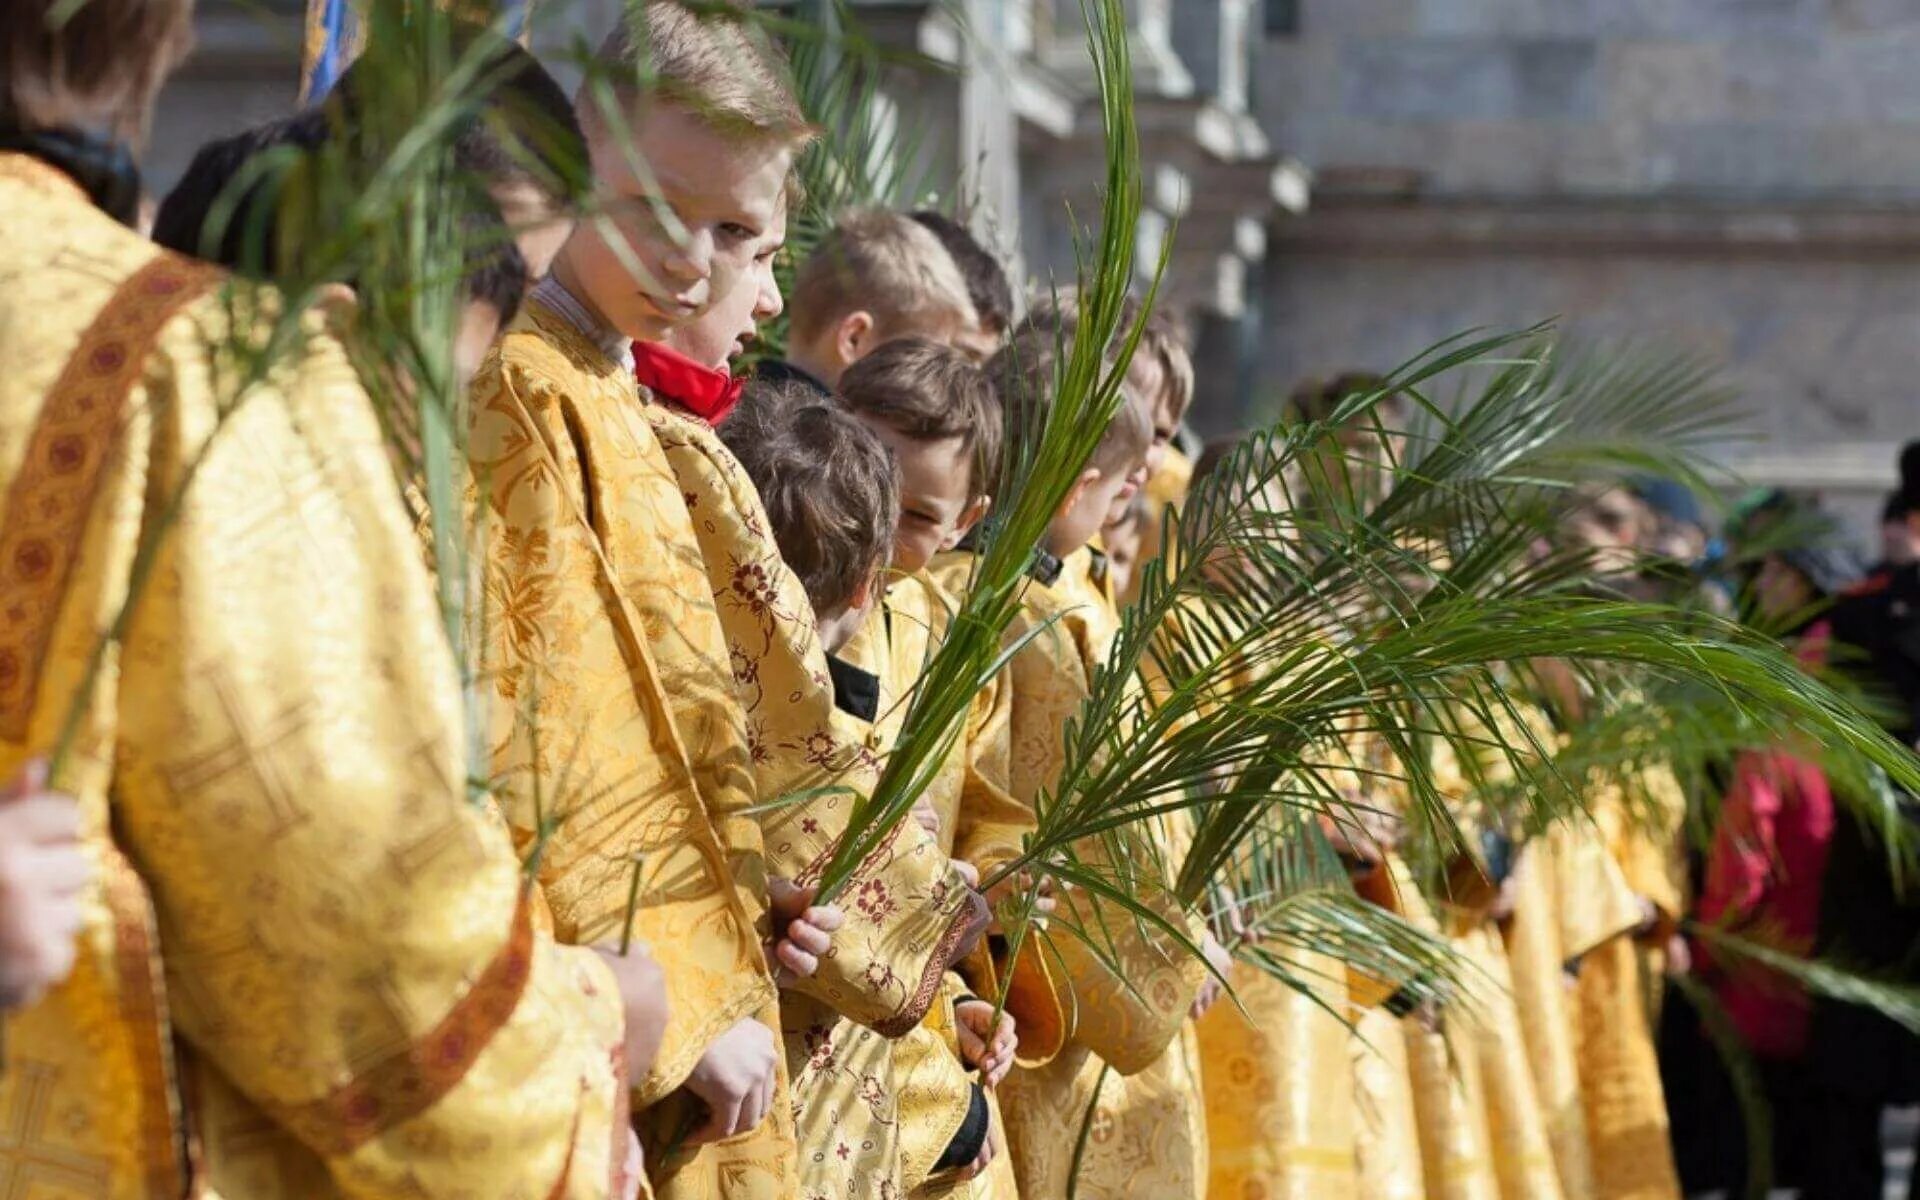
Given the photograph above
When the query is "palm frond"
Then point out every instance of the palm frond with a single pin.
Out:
(1043, 464)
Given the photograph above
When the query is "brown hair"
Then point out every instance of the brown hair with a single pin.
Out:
(1024, 374)
(886, 263)
(1161, 343)
(929, 392)
(1318, 399)
(716, 62)
(830, 487)
(102, 64)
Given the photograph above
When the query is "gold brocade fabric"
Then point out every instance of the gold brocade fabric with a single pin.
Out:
(1148, 1136)
(1450, 1099)
(1568, 898)
(360, 1000)
(1518, 1137)
(1626, 1109)
(1279, 1089)
(936, 1085)
(1386, 1119)
(615, 717)
(908, 911)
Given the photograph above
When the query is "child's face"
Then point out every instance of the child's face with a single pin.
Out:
(1086, 513)
(647, 272)
(723, 332)
(936, 504)
(1145, 378)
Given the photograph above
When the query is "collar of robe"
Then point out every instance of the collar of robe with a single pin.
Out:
(706, 392)
(1045, 568)
(104, 169)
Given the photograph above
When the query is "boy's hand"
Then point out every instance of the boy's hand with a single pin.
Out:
(929, 819)
(985, 1044)
(735, 1077)
(44, 873)
(1211, 988)
(803, 930)
(643, 993)
(1012, 890)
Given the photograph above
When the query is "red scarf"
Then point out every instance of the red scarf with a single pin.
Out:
(706, 392)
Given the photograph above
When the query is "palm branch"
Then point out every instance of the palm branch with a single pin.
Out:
(1400, 616)
(1043, 464)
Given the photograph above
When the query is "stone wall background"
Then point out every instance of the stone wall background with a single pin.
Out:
(1737, 177)
(1740, 178)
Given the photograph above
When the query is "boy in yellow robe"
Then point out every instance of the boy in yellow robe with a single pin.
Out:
(891, 1125)
(1147, 1135)
(1167, 370)
(627, 755)
(833, 501)
(339, 944)
(938, 414)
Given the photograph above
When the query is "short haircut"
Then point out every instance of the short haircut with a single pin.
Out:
(252, 242)
(987, 282)
(1024, 375)
(885, 263)
(1160, 343)
(829, 486)
(715, 61)
(931, 392)
(97, 63)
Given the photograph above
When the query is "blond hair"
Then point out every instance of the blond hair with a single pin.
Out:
(102, 63)
(885, 263)
(716, 63)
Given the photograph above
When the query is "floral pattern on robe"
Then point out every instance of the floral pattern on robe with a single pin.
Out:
(909, 913)
(615, 717)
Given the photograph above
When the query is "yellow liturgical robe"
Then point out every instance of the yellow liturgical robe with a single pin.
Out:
(1147, 1134)
(617, 725)
(909, 912)
(301, 913)
(978, 823)
(1626, 1108)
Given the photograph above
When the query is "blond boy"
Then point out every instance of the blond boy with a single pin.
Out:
(876, 276)
(625, 759)
(1152, 1138)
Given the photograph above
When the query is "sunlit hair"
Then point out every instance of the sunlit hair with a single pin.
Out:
(1024, 374)
(1161, 344)
(829, 486)
(715, 62)
(884, 263)
(987, 283)
(930, 392)
(100, 64)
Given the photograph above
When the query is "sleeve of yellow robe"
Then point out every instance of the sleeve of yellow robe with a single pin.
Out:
(909, 912)
(583, 737)
(1128, 1017)
(346, 938)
